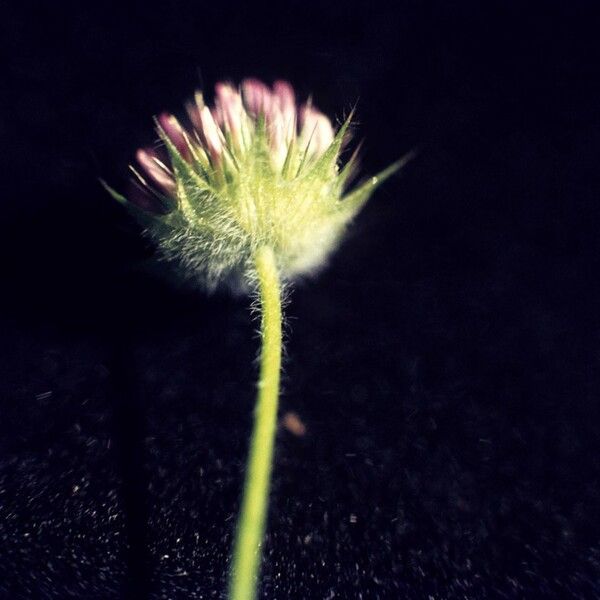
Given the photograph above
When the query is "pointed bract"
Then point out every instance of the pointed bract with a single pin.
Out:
(356, 199)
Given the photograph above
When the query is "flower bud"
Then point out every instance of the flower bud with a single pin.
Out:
(316, 132)
(155, 169)
(257, 97)
(230, 110)
(243, 178)
(175, 133)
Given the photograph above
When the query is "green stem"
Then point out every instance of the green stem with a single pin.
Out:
(243, 583)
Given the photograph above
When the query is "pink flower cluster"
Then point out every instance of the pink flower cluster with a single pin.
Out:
(226, 130)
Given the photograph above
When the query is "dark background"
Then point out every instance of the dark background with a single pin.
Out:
(445, 364)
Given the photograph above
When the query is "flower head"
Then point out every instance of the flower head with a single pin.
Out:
(255, 169)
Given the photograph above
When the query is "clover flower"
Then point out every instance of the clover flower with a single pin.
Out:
(254, 170)
(254, 188)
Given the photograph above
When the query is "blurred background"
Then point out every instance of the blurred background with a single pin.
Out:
(444, 367)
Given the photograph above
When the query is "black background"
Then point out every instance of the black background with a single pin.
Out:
(445, 364)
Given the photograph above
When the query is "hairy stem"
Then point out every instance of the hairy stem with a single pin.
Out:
(243, 582)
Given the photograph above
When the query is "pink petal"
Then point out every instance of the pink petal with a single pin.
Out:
(277, 135)
(230, 110)
(316, 130)
(173, 130)
(193, 111)
(148, 161)
(210, 134)
(284, 93)
(257, 97)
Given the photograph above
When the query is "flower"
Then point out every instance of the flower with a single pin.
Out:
(255, 169)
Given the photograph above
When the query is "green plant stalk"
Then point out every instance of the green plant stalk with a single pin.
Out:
(245, 570)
